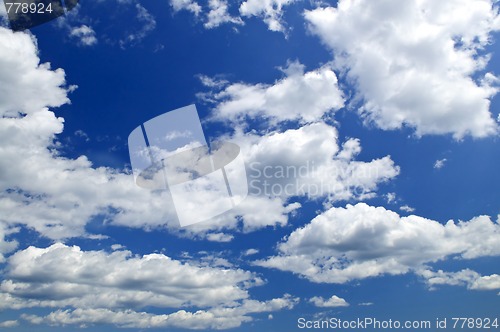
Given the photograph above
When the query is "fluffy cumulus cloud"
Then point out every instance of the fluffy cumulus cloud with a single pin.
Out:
(332, 302)
(270, 10)
(361, 241)
(26, 85)
(308, 162)
(104, 287)
(417, 63)
(300, 95)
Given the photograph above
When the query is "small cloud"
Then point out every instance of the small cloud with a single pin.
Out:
(85, 34)
(250, 252)
(115, 247)
(212, 82)
(82, 134)
(219, 15)
(390, 197)
(332, 302)
(440, 163)
(270, 317)
(188, 5)
(219, 237)
(9, 323)
(407, 208)
(365, 304)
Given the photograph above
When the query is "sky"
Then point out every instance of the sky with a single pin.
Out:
(369, 131)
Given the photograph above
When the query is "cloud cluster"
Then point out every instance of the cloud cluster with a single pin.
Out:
(217, 13)
(58, 196)
(415, 63)
(361, 241)
(217, 318)
(104, 287)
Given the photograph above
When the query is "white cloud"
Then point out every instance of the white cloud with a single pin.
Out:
(300, 162)
(309, 162)
(362, 241)
(189, 5)
(148, 24)
(58, 196)
(216, 318)
(304, 96)
(6, 246)
(94, 279)
(332, 302)
(219, 237)
(390, 197)
(26, 85)
(440, 163)
(270, 10)
(9, 324)
(470, 279)
(413, 62)
(217, 11)
(250, 252)
(85, 34)
(406, 208)
(219, 14)
(102, 287)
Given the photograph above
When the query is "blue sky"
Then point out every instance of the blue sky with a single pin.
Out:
(394, 103)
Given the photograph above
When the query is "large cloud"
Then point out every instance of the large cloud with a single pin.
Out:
(217, 318)
(94, 282)
(362, 241)
(308, 162)
(415, 62)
